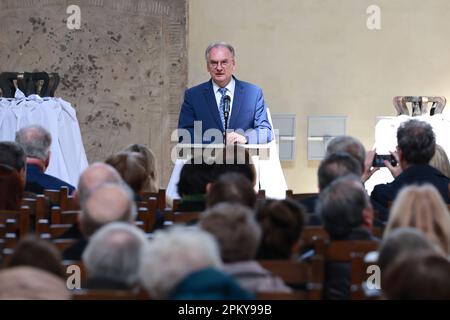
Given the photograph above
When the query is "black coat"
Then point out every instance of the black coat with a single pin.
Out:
(416, 174)
(338, 274)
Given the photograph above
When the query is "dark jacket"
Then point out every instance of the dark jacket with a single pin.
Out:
(192, 203)
(338, 274)
(38, 181)
(209, 284)
(312, 219)
(75, 251)
(416, 174)
(101, 283)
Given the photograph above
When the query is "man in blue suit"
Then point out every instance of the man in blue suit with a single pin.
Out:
(202, 111)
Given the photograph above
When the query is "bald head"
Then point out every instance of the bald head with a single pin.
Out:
(107, 203)
(96, 175)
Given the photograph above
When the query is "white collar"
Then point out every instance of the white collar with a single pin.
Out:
(230, 87)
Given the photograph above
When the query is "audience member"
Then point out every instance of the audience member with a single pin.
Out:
(416, 146)
(347, 214)
(13, 155)
(11, 188)
(113, 256)
(355, 148)
(108, 203)
(183, 264)
(440, 161)
(236, 158)
(282, 223)
(401, 242)
(150, 166)
(231, 188)
(20, 283)
(346, 210)
(420, 276)
(132, 168)
(194, 177)
(335, 165)
(93, 177)
(239, 235)
(36, 142)
(422, 207)
(37, 253)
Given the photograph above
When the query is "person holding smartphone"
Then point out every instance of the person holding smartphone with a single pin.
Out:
(416, 145)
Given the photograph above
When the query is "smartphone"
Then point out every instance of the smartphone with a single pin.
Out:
(378, 160)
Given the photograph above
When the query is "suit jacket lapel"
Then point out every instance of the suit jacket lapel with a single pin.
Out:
(238, 99)
(211, 104)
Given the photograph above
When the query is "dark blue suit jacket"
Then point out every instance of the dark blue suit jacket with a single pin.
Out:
(37, 181)
(249, 114)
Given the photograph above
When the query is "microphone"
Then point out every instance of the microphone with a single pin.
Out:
(226, 113)
(226, 105)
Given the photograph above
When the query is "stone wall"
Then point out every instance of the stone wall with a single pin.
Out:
(124, 70)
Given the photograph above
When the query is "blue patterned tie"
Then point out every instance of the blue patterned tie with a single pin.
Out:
(222, 91)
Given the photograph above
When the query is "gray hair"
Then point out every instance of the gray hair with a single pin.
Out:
(93, 177)
(335, 165)
(235, 228)
(35, 140)
(350, 145)
(341, 206)
(174, 254)
(115, 252)
(219, 44)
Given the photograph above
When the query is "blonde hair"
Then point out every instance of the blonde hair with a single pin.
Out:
(422, 207)
(440, 161)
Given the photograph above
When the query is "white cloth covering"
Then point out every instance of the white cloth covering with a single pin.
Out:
(68, 157)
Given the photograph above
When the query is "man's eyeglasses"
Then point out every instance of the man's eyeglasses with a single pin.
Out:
(216, 64)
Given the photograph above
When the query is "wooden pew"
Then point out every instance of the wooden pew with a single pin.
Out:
(299, 196)
(307, 275)
(352, 252)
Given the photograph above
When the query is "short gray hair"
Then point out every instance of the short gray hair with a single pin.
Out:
(115, 252)
(348, 144)
(219, 44)
(341, 206)
(235, 228)
(35, 140)
(174, 254)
